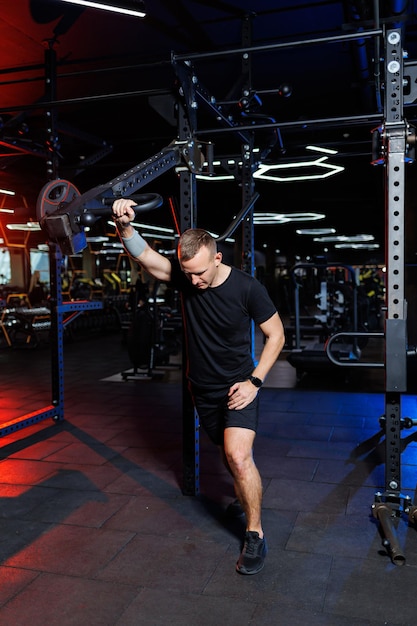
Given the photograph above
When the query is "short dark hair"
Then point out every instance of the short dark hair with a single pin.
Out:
(192, 240)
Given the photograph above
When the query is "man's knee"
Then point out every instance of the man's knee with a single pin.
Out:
(239, 459)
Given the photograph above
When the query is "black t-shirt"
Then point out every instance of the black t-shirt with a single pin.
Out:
(218, 324)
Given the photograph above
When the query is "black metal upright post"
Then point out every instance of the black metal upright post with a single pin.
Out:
(390, 503)
(248, 165)
(57, 329)
(396, 129)
(188, 219)
(55, 255)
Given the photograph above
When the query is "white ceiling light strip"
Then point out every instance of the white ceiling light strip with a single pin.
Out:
(124, 8)
(315, 232)
(345, 238)
(285, 218)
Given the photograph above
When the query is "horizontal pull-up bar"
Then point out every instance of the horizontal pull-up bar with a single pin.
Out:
(279, 46)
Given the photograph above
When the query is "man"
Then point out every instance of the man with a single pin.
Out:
(219, 304)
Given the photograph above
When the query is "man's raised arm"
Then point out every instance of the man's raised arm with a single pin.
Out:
(154, 263)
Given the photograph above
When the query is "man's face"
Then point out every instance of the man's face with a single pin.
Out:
(201, 270)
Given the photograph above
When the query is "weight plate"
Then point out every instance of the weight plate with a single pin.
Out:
(53, 194)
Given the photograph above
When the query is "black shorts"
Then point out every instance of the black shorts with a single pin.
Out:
(211, 406)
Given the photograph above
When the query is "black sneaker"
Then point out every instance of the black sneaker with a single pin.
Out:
(235, 510)
(252, 557)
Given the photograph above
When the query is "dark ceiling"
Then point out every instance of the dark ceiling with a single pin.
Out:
(114, 87)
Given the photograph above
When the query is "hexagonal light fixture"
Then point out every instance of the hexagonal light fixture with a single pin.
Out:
(324, 170)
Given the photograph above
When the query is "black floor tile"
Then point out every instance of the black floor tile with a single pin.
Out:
(96, 529)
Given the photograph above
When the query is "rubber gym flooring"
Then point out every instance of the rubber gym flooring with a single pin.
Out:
(95, 529)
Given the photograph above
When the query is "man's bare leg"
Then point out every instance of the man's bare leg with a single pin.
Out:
(238, 456)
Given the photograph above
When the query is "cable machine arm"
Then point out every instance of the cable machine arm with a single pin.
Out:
(63, 212)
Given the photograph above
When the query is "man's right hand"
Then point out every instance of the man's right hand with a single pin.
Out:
(122, 211)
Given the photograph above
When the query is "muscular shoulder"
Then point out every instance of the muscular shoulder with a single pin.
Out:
(254, 294)
(245, 280)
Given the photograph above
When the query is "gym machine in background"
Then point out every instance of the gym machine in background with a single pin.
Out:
(153, 335)
(332, 307)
